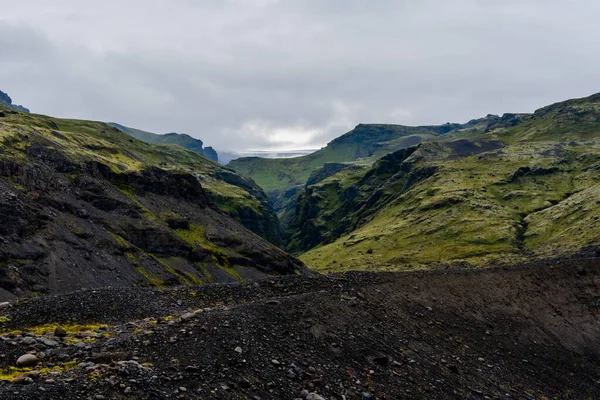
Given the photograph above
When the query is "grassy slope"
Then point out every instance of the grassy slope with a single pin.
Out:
(470, 210)
(83, 140)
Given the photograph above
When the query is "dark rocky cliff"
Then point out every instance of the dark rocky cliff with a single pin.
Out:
(71, 219)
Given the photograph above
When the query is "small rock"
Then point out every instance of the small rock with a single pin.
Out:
(128, 390)
(27, 360)
(245, 383)
(28, 340)
(60, 332)
(32, 374)
(275, 362)
(187, 317)
(238, 350)
(381, 359)
(49, 342)
(23, 380)
(314, 396)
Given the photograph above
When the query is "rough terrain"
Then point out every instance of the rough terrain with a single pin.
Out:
(83, 205)
(512, 332)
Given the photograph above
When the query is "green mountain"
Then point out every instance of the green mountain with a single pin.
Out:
(84, 205)
(181, 139)
(492, 190)
(283, 179)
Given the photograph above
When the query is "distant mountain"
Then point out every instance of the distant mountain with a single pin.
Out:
(181, 139)
(7, 101)
(366, 142)
(225, 157)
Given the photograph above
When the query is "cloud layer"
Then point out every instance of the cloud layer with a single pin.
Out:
(260, 74)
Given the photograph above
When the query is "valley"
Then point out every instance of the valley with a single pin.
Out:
(493, 190)
(435, 262)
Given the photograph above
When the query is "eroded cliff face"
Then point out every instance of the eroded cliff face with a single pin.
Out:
(71, 219)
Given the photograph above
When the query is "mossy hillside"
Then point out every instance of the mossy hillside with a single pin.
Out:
(570, 120)
(107, 208)
(367, 142)
(82, 141)
(364, 144)
(475, 209)
(567, 226)
(573, 120)
(182, 140)
(320, 206)
(284, 179)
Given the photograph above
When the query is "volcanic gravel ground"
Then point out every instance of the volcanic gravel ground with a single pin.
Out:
(522, 332)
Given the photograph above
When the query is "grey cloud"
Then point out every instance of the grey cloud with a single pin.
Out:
(267, 73)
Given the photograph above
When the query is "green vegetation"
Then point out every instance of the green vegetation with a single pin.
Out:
(83, 141)
(365, 142)
(495, 189)
(126, 211)
(69, 328)
(195, 236)
(536, 197)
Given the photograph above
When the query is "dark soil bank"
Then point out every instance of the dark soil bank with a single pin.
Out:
(522, 332)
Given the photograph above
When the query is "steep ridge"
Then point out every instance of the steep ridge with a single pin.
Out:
(84, 205)
(181, 139)
(520, 332)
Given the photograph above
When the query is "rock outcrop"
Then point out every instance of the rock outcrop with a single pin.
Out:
(7, 101)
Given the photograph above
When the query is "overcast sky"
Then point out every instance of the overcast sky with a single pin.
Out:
(290, 74)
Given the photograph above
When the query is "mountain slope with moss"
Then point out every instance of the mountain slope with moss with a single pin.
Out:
(180, 139)
(478, 197)
(84, 205)
(284, 179)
